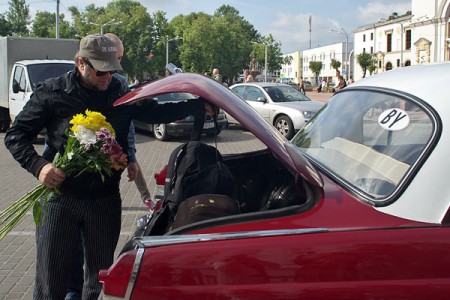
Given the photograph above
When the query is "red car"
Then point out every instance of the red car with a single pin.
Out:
(355, 206)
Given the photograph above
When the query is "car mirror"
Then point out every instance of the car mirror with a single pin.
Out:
(261, 99)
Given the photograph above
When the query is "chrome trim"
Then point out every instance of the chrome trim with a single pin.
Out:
(134, 272)
(157, 241)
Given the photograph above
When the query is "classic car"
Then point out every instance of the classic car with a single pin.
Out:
(355, 206)
(280, 104)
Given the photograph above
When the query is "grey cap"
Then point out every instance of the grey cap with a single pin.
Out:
(101, 52)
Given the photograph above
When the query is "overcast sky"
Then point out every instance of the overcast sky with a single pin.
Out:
(286, 20)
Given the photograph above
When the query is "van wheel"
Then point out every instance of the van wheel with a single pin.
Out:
(284, 125)
(160, 133)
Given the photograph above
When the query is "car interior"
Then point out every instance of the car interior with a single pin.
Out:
(264, 189)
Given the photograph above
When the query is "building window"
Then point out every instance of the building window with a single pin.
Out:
(371, 36)
(398, 62)
(379, 64)
(364, 50)
(408, 40)
(388, 66)
(388, 42)
(371, 50)
(364, 37)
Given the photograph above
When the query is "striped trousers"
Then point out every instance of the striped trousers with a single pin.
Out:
(97, 221)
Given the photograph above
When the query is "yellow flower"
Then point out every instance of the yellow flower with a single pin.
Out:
(92, 120)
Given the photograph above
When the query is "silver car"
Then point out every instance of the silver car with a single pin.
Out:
(280, 104)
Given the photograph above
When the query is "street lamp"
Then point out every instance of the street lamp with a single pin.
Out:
(106, 24)
(265, 55)
(167, 48)
(346, 48)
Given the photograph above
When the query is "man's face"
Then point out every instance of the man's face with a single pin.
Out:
(90, 79)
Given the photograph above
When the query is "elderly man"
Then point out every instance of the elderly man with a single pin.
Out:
(87, 205)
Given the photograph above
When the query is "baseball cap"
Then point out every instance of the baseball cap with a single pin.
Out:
(101, 52)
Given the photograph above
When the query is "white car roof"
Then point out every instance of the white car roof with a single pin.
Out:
(44, 61)
(427, 198)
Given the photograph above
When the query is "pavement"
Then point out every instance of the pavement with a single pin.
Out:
(17, 249)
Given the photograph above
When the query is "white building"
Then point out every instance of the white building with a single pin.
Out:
(292, 71)
(421, 35)
(325, 54)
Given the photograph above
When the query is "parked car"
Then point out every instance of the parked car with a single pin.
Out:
(280, 104)
(164, 132)
(355, 206)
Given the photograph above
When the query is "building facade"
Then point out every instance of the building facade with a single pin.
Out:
(419, 36)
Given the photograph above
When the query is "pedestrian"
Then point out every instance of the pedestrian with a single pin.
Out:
(302, 86)
(324, 85)
(216, 75)
(248, 77)
(134, 170)
(87, 205)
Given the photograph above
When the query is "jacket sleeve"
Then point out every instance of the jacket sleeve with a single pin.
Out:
(20, 136)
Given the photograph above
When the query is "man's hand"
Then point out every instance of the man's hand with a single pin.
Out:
(51, 176)
(132, 169)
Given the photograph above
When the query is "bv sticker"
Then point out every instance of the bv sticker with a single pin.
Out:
(394, 119)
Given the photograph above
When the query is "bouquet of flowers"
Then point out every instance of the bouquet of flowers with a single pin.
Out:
(91, 147)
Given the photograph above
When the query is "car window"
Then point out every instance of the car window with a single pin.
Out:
(252, 93)
(239, 90)
(370, 140)
(40, 72)
(285, 93)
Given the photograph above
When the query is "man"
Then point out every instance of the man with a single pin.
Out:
(134, 170)
(87, 205)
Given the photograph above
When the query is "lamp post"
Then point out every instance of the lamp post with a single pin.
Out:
(106, 24)
(265, 56)
(346, 48)
(167, 47)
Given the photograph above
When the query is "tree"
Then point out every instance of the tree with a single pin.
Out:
(316, 67)
(5, 26)
(19, 17)
(366, 61)
(44, 25)
(335, 64)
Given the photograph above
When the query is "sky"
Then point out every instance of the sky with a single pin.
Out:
(286, 20)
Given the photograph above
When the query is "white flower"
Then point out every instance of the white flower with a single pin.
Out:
(85, 136)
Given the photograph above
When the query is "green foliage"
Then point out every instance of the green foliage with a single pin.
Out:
(335, 64)
(5, 26)
(367, 62)
(316, 67)
(18, 17)
(222, 40)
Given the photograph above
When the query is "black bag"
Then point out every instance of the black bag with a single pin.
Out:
(204, 207)
(196, 168)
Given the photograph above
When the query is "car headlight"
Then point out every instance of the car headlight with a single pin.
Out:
(308, 114)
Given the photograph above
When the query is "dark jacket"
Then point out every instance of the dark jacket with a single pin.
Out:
(53, 105)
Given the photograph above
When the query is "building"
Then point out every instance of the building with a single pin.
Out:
(293, 70)
(325, 55)
(419, 36)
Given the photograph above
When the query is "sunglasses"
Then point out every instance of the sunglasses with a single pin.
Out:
(97, 73)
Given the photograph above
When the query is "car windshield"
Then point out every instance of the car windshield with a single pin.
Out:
(40, 72)
(285, 93)
(369, 140)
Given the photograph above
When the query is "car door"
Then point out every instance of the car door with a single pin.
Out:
(18, 95)
(258, 100)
